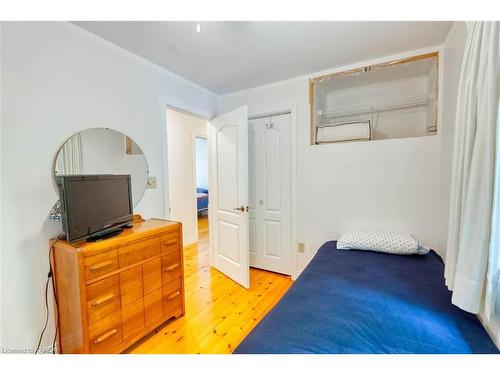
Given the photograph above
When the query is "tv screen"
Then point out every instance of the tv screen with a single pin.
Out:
(93, 205)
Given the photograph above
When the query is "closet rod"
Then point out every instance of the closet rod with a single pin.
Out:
(357, 109)
(273, 114)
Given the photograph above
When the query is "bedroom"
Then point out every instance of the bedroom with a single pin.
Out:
(59, 79)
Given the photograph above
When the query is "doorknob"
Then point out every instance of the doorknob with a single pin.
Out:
(240, 208)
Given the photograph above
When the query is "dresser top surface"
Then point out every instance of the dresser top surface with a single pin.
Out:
(139, 231)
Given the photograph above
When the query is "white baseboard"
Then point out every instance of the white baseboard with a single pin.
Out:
(189, 240)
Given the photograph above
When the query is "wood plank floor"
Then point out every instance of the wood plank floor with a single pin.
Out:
(219, 312)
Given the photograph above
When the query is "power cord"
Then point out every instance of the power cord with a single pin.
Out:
(50, 278)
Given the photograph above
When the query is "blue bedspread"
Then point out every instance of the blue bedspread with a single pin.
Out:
(201, 199)
(367, 302)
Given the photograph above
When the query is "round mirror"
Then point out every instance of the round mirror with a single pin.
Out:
(104, 151)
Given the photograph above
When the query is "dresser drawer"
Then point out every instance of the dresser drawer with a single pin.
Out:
(172, 298)
(105, 335)
(133, 319)
(171, 266)
(170, 241)
(100, 264)
(131, 285)
(151, 275)
(153, 307)
(103, 298)
(137, 252)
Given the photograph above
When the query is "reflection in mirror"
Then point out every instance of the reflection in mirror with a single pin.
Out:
(391, 100)
(104, 151)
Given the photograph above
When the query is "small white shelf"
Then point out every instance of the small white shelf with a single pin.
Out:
(357, 109)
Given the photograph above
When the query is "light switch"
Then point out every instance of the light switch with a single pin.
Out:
(151, 183)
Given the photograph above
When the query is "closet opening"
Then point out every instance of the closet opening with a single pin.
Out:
(270, 194)
(390, 100)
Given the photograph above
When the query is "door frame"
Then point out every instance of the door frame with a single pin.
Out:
(205, 137)
(165, 105)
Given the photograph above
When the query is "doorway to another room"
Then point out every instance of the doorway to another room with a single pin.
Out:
(202, 196)
(188, 174)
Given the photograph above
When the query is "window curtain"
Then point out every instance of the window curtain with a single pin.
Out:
(69, 159)
(473, 172)
(493, 271)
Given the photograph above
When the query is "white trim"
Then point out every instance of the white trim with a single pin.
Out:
(175, 105)
(211, 179)
(195, 135)
(164, 151)
(293, 182)
(190, 239)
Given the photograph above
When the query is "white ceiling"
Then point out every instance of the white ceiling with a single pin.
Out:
(232, 56)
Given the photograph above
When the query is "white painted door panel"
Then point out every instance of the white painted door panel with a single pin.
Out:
(228, 150)
(270, 193)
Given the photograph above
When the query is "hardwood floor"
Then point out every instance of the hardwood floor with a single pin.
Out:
(219, 312)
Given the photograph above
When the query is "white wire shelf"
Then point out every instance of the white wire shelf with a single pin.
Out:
(357, 109)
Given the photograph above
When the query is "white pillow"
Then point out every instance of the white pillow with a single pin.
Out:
(385, 242)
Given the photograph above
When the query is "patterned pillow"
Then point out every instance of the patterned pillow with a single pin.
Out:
(385, 242)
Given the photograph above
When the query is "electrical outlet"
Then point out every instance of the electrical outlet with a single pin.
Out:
(302, 247)
(151, 183)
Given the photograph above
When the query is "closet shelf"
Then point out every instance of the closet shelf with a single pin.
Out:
(357, 109)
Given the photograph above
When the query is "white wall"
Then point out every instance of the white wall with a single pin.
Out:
(58, 79)
(386, 185)
(202, 163)
(181, 130)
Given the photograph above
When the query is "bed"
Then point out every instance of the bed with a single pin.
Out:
(366, 302)
(201, 199)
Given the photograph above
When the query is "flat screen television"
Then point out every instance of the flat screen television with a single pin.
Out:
(94, 206)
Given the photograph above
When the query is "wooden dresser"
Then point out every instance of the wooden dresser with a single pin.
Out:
(113, 292)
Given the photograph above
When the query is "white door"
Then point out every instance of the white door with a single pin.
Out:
(270, 193)
(228, 150)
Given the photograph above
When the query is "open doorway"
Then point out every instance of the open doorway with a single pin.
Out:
(202, 193)
(188, 173)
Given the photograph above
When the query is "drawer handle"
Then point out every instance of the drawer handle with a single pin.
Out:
(101, 300)
(173, 295)
(100, 266)
(170, 242)
(106, 336)
(172, 267)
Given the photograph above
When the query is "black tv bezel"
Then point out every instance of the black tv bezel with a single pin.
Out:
(98, 229)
